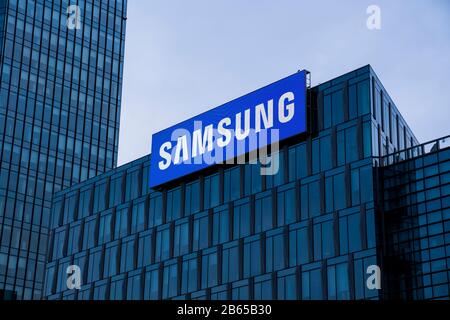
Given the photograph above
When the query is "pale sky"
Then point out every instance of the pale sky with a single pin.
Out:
(185, 57)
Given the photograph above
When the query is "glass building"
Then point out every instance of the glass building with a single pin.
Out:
(60, 95)
(416, 212)
(308, 232)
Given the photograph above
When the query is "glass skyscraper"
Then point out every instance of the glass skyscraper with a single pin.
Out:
(61, 78)
(308, 232)
(415, 198)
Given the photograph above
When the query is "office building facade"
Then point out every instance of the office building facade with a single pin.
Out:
(61, 80)
(415, 210)
(308, 232)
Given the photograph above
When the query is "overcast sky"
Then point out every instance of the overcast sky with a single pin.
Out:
(185, 57)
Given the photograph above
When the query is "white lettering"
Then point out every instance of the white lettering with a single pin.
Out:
(225, 133)
(290, 107)
(235, 139)
(201, 145)
(182, 147)
(165, 155)
(260, 114)
(241, 135)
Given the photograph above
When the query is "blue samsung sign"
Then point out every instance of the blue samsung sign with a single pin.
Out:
(253, 121)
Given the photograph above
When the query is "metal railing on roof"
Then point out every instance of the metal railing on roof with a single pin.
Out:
(414, 152)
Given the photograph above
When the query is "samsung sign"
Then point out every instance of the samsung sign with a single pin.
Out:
(254, 121)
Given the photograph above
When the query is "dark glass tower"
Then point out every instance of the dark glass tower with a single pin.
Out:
(61, 81)
(344, 199)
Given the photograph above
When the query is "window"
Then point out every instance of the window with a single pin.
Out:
(115, 190)
(387, 119)
(310, 199)
(363, 97)
(286, 205)
(350, 233)
(100, 290)
(95, 267)
(117, 288)
(252, 256)
(287, 284)
(232, 184)
(298, 162)
(105, 233)
(162, 251)
(253, 178)
(377, 103)
(312, 284)
(145, 248)
(70, 205)
(209, 268)
(189, 274)
(57, 207)
(138, 217)
(347, 145)
(90, 226)
(299, 244)
(61, 284)
(170, 280)
(323, 240)
(263, 212)
(337, 107)
(100, 197)
(181, 237)
(74, 238)
(192, 198)
(211, 185)
(360, 278)
(230, 262)
(132, 184)
(275, 253)
(263, 287)
(85, 293)
(121, 226)
(49, 279)
(127, 254)
(241, 218)
(335, 195)
(145, 177)
(221, 225)
(219, 293)
(200, 231)
(240, 290)
(370, 229)
(375, 139)
(393, 126)
(111, 262)
(156, 212)
(134, 285)
(58, 243)
(173, 204)
(361, 185)
(321, 154)
(327, 111)
(352, 101)
(275, 169)
(338, 282)
(80, 260)
(151, 283)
